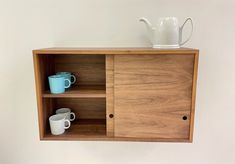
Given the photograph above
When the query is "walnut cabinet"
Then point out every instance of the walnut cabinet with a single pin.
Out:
(121, 94)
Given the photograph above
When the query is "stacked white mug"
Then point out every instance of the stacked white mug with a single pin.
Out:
(61, 120)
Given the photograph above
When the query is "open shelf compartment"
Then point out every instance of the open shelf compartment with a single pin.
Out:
(90, 116)
(88, 69)
(91, 128)
(86, 98)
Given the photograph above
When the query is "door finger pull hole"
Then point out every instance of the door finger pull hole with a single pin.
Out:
(111, 116)
(184, 117)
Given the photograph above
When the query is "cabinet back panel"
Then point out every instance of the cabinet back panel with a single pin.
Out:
(83, 108)
(152, 94)
(89, 69)
(46, 68)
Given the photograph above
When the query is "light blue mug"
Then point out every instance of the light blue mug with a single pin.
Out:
(67, 75)
(58, 84)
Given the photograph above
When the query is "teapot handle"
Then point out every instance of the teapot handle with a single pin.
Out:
(181, 29)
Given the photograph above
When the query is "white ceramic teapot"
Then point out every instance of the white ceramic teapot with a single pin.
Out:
(167, 33)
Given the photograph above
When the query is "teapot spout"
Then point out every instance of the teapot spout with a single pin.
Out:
(150, 28)
(148, 24)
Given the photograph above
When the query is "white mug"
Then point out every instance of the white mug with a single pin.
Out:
(58, 124)
(67, 113)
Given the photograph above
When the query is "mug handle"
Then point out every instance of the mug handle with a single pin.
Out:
(181, 29)
(66, 127)
(73, 114)
(69, 83)
(74, 79)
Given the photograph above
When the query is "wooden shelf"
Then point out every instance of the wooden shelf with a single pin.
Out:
(94, 91)
(95, 130)
(91, 128)
(114, 51)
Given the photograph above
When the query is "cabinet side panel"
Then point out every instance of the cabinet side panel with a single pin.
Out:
(43, 67)
(153, 93)
(196, 57)
(38, 83)
(110, 94)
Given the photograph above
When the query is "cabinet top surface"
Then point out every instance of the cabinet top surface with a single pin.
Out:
(117, 50)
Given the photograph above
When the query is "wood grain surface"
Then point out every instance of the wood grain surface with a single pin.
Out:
(89, 70)
(85, 91)
(152, 94)
(85, 108)
(148, 91)
(114, 51)
(43, 67)
(110, 94)
(82, 128)
(194, 85)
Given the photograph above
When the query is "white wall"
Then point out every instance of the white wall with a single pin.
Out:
(31, 24)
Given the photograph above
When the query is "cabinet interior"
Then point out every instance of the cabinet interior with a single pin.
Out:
(86, 98)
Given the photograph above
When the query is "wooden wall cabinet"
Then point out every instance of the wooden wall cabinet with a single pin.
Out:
(124, 94)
